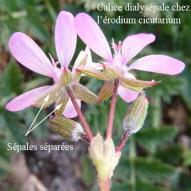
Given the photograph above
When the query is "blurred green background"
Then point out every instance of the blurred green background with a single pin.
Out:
(158, 158)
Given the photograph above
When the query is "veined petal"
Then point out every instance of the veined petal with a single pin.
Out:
(133, 44)
(29, 54)
(159, 64)
(93, 37)
(27, 99)
(65, 37)
(127, 95)
(69, 111)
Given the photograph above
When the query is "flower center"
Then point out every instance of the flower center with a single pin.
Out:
(117, 57)
(117, 47)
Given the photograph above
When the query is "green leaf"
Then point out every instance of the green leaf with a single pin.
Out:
(187, 158)
(11, 80)
(157, 136)
(87, 171)
(170, 153)
(139, 186)
(15, 127)
(151, 170)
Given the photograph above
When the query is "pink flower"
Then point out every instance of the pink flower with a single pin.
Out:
(29, 54)
(92, 36)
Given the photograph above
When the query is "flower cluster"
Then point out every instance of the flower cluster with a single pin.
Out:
(113, 68)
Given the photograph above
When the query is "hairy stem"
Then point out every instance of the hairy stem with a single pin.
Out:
(132, 156)
(80, 115)
(123, 141)
(105, 185)
(112, 110)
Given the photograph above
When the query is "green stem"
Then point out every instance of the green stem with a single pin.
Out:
(156, 112)
(132, 156)
(156, 117)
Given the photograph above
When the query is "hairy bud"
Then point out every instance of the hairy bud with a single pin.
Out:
(67, 128)
(104, 157)
(136, 114)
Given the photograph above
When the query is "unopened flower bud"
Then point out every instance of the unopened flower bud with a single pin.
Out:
(136, 114)
(67, 128)
(104, 157)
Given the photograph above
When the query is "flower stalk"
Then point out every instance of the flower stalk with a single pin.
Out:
(123, 141)
(112, 110)
(80, 115)
(105, 185)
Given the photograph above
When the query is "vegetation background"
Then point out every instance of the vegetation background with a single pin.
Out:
(158, 158)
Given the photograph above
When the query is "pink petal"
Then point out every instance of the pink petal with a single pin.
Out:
(127, 95)
(27, 99)
(65, 37)
(70, 111)
(29, 54)
(133, 44)
(159, 64)
(93, 37)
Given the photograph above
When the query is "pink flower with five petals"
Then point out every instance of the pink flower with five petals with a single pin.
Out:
(30, 55)
(93, 37)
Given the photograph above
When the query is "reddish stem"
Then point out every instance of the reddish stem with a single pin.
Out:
(123, 141)
(105, 185)
(80, 115)
(112, 110)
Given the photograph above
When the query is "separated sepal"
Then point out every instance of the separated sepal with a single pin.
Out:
(136, 85)
(56, 92)
(66, 77)
(84, 94)
(111, 72)
(106, 91)
(92, 73)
